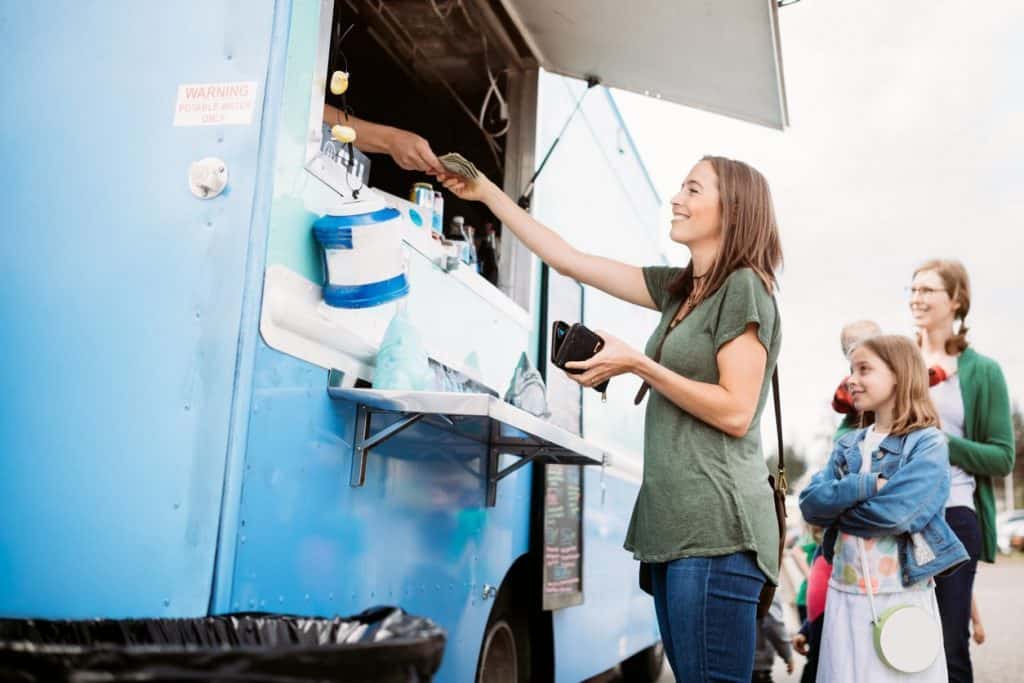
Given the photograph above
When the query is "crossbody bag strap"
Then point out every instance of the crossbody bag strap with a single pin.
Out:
(867, 578)
(642, 391)
(780, 480)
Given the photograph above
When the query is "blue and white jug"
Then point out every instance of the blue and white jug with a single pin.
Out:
(363, 258)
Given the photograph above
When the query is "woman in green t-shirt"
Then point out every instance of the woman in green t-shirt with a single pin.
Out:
(704, 518)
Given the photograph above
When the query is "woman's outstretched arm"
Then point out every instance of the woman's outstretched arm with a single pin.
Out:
(621, 280)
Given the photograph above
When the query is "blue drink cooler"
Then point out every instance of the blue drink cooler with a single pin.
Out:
(362, 255)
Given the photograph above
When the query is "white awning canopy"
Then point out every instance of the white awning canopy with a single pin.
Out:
(722, 56)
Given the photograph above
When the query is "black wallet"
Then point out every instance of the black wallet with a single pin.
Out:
(574, 343)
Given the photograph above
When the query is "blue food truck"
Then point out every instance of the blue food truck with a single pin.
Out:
(189, 428)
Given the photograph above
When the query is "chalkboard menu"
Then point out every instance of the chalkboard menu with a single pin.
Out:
(562, 554)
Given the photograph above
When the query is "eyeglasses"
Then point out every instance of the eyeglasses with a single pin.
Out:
(924, 292)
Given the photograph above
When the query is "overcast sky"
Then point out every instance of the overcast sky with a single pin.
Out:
(906, 142)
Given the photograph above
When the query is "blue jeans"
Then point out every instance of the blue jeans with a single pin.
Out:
(707, 615)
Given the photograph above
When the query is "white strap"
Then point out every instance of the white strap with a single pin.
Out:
(867, 578)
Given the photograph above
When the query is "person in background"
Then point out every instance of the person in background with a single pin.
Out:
(974, 410)
(803, 554)
(850, 336)
(410, 151)
(808, 640)
(771, 641)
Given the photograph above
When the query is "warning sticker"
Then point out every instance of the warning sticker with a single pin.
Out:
(215, 104)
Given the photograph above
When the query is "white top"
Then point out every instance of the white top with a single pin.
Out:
(950, 404)
(872, 440)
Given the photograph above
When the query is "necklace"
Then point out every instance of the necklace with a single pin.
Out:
(684, 307)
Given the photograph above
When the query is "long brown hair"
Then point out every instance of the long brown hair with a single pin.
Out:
(750, 236)
(958, 287)
(913, 408)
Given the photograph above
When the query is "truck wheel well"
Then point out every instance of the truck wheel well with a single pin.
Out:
(519, 601)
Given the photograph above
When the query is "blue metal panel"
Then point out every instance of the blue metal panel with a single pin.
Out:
(121, 301)
(616, 618)
(416, 534)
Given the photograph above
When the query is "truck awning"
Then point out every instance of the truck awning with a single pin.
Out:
(722, 56)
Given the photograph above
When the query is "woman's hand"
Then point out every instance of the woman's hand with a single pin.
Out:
(800, 644)
(615, 358)
(472, 190)
(978, 632)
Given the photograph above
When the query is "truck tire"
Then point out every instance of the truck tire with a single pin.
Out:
(645, 666)
(505, 652)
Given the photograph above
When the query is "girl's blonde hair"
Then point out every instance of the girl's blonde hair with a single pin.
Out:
(958, 287)
(913, 408)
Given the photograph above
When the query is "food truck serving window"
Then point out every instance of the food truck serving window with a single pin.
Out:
(418, 73)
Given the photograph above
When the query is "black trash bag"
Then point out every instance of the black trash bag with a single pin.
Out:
(383, 644)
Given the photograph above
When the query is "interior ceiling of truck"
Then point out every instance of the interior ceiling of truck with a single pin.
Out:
(719, 55)
(451, 43)
(722, 56)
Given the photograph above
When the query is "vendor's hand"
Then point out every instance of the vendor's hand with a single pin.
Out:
(412, 152)
(615, 358)
(790, 665)
(472, 190)
(800, 644)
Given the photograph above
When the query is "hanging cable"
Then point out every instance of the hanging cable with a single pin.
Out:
(527, 196)
(492, 89)
(437, 10)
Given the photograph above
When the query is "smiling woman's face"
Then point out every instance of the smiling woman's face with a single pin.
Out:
(697, 208)
(930, 303)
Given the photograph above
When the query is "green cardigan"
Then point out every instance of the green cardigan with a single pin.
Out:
(987, 448)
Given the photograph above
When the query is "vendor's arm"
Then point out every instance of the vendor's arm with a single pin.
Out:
(621, 280)
(410, 151)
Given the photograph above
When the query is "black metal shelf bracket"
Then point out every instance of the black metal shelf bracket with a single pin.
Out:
(366, 440)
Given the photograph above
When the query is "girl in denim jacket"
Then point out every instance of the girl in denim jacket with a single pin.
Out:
(886, 484)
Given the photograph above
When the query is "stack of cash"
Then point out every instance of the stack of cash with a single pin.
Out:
(454, 162)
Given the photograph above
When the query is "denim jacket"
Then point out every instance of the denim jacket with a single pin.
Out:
(911, 506)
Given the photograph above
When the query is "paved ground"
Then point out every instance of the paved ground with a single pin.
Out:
(999, 590)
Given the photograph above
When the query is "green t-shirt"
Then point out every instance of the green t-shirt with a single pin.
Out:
(705, 493)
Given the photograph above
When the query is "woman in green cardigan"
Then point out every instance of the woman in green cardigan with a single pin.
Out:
(974, 407)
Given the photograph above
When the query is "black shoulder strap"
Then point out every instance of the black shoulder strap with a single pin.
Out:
(780, 480)
(642, 391)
